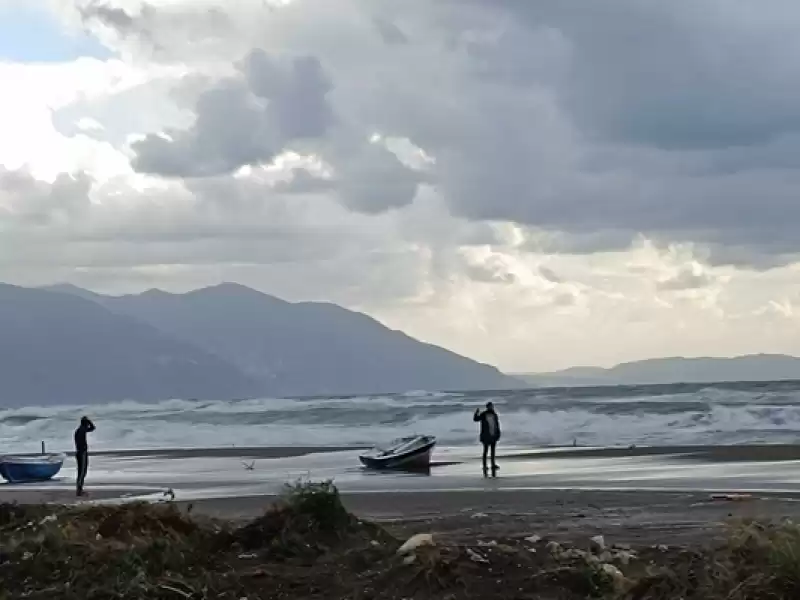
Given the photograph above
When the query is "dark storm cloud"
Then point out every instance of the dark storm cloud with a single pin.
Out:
(595, 122)
(704, 74)
(372, 179)
(244, 120)
(604, 121)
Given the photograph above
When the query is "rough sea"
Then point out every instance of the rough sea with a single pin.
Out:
(663, 415)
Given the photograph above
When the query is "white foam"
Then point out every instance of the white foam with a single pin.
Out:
(532, 418)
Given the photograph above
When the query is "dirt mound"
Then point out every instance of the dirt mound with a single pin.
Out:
(140, 521)
(16, 516)
(308, 521)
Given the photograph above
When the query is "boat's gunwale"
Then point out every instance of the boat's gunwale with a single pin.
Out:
(22, 460)
(400, 460)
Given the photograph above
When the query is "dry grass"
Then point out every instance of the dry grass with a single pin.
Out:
(308, 546)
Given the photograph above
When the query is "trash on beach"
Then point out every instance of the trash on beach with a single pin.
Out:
(475, 557)
(479, 515)
(48, 519)
(732, 497)
(414, 542)
(662, 548)
(247, 556)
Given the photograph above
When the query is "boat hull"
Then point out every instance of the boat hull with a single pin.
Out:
(417, 459)
(24, 469)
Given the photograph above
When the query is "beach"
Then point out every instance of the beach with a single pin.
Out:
(634, 495)
(569, 523)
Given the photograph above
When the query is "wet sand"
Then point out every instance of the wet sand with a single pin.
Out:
(623, 493)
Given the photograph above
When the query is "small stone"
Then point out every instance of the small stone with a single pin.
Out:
(414, 542)
(598, 542)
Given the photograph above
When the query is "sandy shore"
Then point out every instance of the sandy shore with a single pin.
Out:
(640, 517)
(647, 518)
(455, 500)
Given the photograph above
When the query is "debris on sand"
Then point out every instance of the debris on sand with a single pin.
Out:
(414, 542)
(533, 539)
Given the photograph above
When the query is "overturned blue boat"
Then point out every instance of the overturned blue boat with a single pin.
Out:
(30, 468)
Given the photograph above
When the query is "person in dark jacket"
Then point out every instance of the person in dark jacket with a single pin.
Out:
(490, 433)
(82, 452)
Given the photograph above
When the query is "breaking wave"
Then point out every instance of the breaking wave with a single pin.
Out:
(644, 415)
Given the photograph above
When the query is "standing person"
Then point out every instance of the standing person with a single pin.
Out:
(82, 452)
(490, 433)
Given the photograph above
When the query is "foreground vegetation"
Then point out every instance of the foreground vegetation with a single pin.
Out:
(308, 546)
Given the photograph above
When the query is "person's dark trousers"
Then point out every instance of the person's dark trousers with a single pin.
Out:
(82, 458)
(489, 448)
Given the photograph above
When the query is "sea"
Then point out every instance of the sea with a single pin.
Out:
(651, 415)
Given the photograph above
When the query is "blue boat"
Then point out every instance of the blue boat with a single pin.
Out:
(30, 468)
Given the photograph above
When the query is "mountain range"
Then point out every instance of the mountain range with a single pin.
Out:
(752, 367)
(64, 344)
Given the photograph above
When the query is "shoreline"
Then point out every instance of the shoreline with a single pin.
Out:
(630, 517)
(539, 491)
(716, 453)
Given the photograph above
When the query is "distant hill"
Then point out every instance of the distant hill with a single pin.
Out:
(59, 348)
(305, 348)
(754, 367)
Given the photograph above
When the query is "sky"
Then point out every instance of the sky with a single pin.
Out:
(532, 183)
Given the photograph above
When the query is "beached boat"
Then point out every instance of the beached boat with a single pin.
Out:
(406, 453)
(28, 468)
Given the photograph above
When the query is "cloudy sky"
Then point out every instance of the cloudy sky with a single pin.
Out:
(533, 183)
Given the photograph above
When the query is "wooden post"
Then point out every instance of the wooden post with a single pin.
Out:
(43, 447)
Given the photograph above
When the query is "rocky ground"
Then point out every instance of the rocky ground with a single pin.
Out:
(307, 545)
